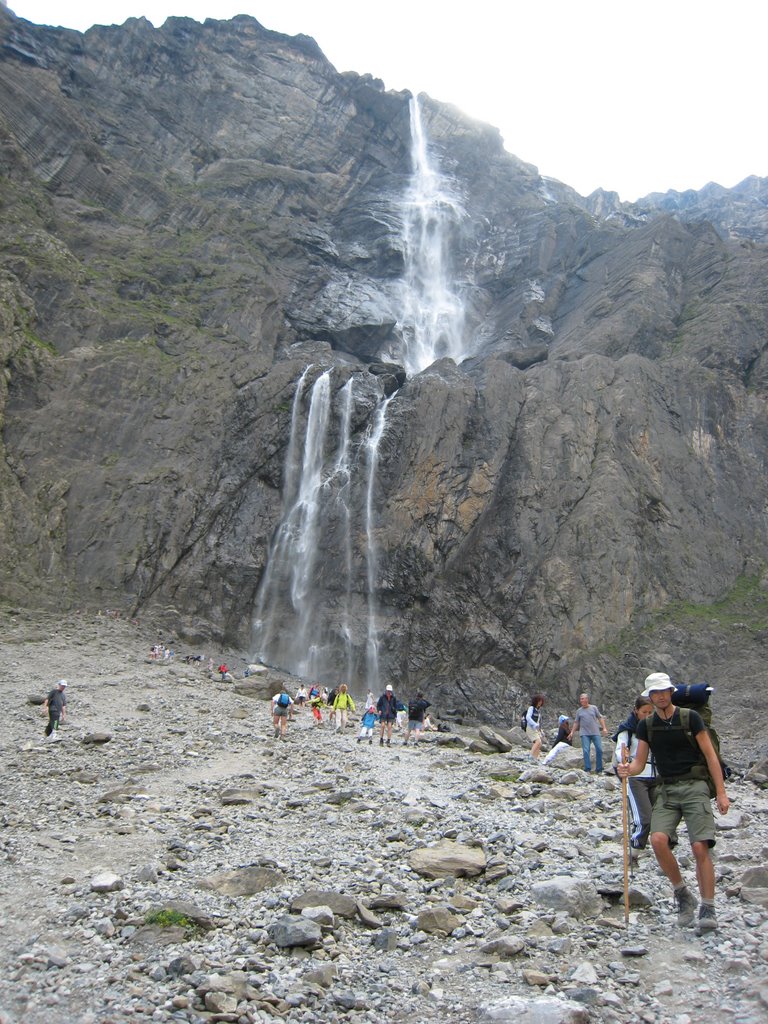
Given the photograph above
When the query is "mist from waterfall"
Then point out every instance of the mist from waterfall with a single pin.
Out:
(432, 324)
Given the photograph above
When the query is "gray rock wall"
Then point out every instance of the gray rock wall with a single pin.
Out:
(192, 215)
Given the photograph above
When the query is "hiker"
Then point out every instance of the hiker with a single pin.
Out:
(642, 787)
(401, 718)
(590, 724)
(562, 741)
(386, 705)
(282, 703)
(369, 719)
(533, 724)
(416, 711)
(301, 696)
(687, 763)
(342, 705)
(330, 700)
(316, 703)
(56, 706)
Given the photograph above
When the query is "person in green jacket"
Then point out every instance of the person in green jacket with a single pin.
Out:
(342, 705)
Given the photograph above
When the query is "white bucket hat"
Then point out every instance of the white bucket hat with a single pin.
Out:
(656, 682)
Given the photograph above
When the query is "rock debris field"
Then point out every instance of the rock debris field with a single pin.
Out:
(169, 860)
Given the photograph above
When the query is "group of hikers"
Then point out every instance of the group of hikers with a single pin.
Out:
(387, 712)
(667, 753)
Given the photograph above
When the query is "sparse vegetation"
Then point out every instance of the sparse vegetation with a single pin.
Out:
(165, 917)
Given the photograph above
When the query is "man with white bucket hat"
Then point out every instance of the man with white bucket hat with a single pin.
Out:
(683, 765)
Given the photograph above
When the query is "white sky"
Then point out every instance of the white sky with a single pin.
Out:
(627, 95)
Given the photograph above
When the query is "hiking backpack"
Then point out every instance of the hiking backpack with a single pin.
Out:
(695, 697)
(283, 700)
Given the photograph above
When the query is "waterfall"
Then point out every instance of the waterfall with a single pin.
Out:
(432, 321)
(342, 471)
(305, 527)
(372, 452)
(293, 554)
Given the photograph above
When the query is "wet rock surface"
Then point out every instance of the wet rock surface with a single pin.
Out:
(131, 890)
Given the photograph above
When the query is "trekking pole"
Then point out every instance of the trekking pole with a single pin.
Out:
(625, 837)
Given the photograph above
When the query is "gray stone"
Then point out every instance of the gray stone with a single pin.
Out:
(289, 931)
(448, 858)
(107, 881)
(340, 904)
(576, 896)
(438, 920)
(542, 1010)
(243, 881)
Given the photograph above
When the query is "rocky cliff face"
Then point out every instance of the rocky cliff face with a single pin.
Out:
(200, 221)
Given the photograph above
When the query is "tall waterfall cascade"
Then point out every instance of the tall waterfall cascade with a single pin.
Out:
(328, 498)
(433, 322)
(305, 621)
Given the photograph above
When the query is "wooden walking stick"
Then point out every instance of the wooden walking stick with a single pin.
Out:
(625, 835)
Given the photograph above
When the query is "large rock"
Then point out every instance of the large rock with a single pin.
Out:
(447, 858)
(576, 896)
(243, 881)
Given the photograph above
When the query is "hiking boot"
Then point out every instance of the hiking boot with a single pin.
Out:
(381, 742)
(359, 739)
(389, 743)
(686, 908)
(277, 733)
(707, 920)
(370, 742)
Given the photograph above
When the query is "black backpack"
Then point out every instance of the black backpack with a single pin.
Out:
(695, 697)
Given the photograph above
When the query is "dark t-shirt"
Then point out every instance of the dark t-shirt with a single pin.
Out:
(416, 710)
(673, 752)
(57, 700)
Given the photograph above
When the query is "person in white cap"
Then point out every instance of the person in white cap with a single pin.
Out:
(684, 794)
(561, 740)
(56, 706)
(386, 705)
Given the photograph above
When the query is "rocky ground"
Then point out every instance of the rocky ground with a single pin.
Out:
(193, 868)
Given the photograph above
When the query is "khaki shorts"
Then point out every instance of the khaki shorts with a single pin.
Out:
(687, 800)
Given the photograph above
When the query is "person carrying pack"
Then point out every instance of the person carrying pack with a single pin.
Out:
(281, 709)
(684, 794)
(642, 787)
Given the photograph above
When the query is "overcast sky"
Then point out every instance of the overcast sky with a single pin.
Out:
(632, 96)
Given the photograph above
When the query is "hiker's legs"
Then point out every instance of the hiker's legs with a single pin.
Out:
(640, 805)
(536, 747)
(705, 870)
(666, 859)
(598, 742)
(585, 751)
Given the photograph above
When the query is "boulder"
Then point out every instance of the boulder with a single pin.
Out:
(448, 858)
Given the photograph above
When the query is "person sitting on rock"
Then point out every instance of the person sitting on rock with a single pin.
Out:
(562, 741)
